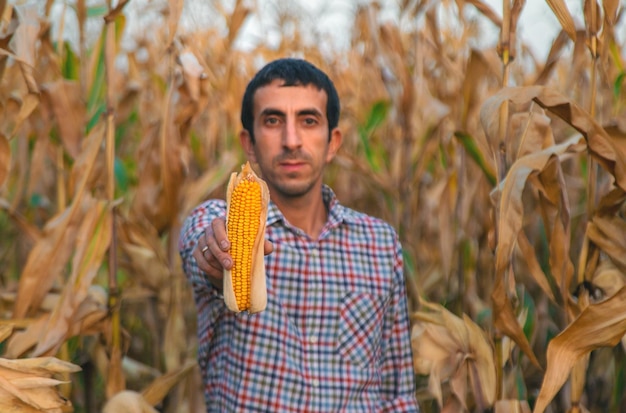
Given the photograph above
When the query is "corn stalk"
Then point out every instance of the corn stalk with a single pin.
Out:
(115, 379)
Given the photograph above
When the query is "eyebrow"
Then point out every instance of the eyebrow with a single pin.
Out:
(303, 112)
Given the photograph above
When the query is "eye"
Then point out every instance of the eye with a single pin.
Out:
(272, 120)
(310, 121)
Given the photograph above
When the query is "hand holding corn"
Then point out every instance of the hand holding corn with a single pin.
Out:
(247, 199)
(232, 257)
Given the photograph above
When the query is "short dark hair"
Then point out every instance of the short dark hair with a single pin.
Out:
(294, 72)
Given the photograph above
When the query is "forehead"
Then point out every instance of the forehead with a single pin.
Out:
(296, 97)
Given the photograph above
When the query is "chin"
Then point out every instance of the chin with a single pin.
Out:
(294, 191)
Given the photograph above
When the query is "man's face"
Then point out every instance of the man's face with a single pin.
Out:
(292, 143)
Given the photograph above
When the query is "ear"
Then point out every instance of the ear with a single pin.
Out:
(336, 137)
(247, 145)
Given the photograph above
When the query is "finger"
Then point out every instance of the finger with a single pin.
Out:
(207, 263)
(218, 226)
(210, 267)
(220, 258)
(268, 247)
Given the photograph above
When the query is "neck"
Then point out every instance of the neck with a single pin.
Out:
(307, 212)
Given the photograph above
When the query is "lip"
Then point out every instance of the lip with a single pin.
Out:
(292, 166)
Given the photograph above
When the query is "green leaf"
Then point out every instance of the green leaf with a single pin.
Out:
(617, 86)
(37, 200)
(93, 120)
(97, 11)
(377, 115)
(98, 87)
(531, 316)
(121, 174)
(71, 65)
(371, 160)
(469, 144)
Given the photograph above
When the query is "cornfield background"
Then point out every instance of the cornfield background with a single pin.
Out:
(504, 174)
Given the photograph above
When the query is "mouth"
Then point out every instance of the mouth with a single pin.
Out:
(291, 166)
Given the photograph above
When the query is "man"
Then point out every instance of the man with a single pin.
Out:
(335, 333)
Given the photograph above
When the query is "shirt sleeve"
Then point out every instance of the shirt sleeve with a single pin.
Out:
(193, 227)
(398, 378)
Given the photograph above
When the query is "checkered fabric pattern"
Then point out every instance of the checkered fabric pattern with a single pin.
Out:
(335, 334)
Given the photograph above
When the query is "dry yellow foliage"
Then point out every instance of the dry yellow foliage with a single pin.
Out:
(454, 350)
(28, 385)
(503, 171)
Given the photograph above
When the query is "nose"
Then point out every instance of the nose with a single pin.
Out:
(291, 136)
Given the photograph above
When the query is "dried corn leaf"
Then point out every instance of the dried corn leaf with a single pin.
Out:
(209, 181)
(27, 385)
(5, 159)
(487, 11)
(593, 16)
(605, 149)
(47, 260)
(512, 406)
(116, 12)
(236, 21)
(530, 132)
(115, 379)
(454, 350)
(147, 265)
(41, 366)
(28, 104)
(51, 252)
(28, 229)
(509, 227)
(161, 386)
(608, 234)
(611, 8)
(5, 331)
(160, 169)
(174, 13)
(25, 43)
(599, 325)
(175, 344)
(92, 242)
(447, 230)
(599, 144)
(40, 179)
(65, 101)
(193, 73)
(563, 15)
(22, 341)
(86, 320)
(128, 402)
(528, 252)
(555, 212)
(608, 278)
(553, 58)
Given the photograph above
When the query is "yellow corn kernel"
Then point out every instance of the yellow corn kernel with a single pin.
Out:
(247, 200)
(243, 225)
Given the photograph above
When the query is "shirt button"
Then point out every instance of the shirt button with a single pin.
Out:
(313, 339)
(315, 252)
(315, 383)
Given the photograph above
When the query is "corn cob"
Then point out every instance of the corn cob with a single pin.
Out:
(247, 198)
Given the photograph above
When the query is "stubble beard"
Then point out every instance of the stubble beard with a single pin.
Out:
(292, 185)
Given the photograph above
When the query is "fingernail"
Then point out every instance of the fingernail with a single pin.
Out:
(226, 262)
(224, 245)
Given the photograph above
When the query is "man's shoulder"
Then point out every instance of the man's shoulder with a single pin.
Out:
(208, 208)
(367, 221)
(211, 204)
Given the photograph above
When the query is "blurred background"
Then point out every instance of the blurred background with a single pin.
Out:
(490, 134)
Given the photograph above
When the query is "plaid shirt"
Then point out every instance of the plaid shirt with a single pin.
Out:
(335, 333)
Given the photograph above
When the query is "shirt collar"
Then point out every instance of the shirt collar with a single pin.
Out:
(336, 211)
